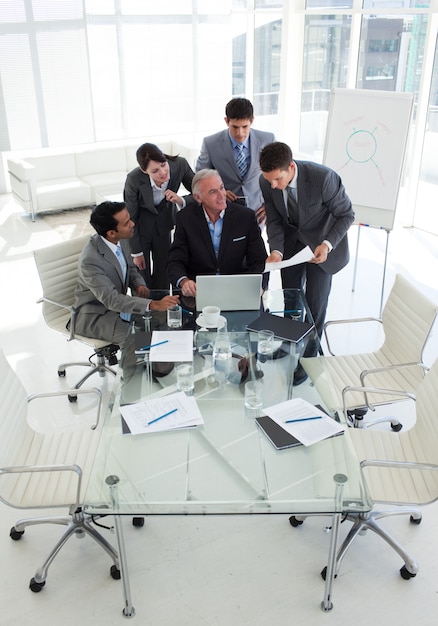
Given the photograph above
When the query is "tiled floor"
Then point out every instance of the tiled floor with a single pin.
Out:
(215, 571)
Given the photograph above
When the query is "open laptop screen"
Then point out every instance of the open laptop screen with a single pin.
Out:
(230, 292)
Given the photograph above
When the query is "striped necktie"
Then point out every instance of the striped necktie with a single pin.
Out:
(241, 161)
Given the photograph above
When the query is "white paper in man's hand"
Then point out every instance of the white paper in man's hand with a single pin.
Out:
(303, 256)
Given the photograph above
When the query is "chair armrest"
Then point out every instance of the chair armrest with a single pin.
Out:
(67, 307)
(33, 469)
(399, 464)
(376, 390)
(356, 320)
(71, 392)
(388, 368)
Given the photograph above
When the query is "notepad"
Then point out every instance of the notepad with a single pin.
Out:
(282, 327)
(278, 436)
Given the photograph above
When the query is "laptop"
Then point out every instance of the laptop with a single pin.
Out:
(230, 292)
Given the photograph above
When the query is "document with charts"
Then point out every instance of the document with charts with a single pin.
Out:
(304, 421)
(167, 413)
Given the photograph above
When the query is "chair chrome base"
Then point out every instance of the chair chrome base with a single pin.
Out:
(77, 523)
(356, 419)
(108, 353)
(368, 521)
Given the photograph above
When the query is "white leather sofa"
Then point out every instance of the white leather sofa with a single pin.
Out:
(51, 180)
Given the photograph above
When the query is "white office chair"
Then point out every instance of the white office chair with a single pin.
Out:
(45, 470)
(400, 470)
(407, 320)
(58, 271)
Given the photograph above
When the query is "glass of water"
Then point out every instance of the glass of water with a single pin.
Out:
(253, 398)
(222, 355)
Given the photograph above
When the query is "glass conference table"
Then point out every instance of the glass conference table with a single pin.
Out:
(227, 465)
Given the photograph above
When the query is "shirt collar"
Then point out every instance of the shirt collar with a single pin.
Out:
(155, 186)
(112, 246)
(293, 182)
(235, 143)
(221, 215)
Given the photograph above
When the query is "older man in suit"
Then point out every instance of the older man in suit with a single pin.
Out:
(214, 237)
(306, 205)
(234, 153)
(106, 272)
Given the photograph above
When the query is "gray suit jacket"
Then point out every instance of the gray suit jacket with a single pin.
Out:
(101, 287)
(217, 153)
(324, 212)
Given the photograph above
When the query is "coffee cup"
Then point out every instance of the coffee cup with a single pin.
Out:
(211, 315)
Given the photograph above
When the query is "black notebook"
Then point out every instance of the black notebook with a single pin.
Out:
(282, 327)
(279, 437)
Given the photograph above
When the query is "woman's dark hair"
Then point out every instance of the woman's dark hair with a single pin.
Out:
(102, 217)
(150, 152)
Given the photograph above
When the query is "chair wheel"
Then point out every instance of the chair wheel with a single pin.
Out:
(72, 398)
(36, 587)
(414, 520)
(293, 521)
(115, 572)
(16, 534)
(396, 427)
(405, 573)
(324, 573)
(138, 522)
(61, 373)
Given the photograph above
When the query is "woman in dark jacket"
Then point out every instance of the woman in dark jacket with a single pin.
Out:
(151, 196)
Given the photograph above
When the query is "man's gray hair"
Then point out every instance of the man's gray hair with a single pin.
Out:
(200, 176)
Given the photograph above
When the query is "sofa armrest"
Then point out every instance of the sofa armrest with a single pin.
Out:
(23, 184)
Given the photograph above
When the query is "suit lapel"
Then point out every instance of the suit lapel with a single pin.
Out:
(111, 258)
(204, 232)
(228, 152)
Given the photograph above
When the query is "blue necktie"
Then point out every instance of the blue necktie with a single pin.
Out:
(121, 259)
(241, 161)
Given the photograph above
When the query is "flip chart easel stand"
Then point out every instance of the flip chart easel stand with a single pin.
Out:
(360, 226)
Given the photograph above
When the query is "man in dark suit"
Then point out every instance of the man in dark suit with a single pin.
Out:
(103, 306)
(214, 237)
(306, 205)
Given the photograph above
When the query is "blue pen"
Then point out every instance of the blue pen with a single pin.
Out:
(303, 419)
(161, 416)
(153, 345)
(186, 311)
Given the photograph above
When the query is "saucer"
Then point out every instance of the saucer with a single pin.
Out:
(201, 322)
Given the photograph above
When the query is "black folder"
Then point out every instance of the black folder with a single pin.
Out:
(283, 327)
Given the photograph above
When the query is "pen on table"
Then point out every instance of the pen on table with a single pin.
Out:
(303, 419)
(153, 345)
(161, 416)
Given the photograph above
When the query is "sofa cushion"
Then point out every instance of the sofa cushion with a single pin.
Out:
(63, 193)
(101, 160)
(53, 166)
(106, 184)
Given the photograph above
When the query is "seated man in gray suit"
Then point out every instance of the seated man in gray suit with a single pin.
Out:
(213, 237)
(222, 152)
(106, 272)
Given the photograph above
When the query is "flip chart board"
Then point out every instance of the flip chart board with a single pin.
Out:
(365, 144)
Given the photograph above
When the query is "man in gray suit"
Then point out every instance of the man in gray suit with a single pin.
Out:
(306, 205)
(106, 272)
(221, 152)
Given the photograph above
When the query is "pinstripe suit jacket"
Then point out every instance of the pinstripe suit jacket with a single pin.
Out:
(324, 212)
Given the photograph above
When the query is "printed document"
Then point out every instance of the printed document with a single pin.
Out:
(303, 256)
(167, 413)
(304, 421)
